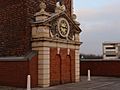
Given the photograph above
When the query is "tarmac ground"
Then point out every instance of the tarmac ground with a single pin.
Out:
(96, 83)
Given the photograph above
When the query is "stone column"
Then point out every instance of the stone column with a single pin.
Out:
(44, 67)
(77, 66)
(39, 32)
(77, 59)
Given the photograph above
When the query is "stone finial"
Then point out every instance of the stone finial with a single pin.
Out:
(42, 7)
(74, 17)
(42, 10)
(42, 14)
(59, 8)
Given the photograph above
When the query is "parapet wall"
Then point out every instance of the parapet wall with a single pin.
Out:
(14, 71)
(100, 67)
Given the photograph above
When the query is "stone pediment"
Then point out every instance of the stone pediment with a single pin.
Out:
(56, 25)
(69, 19)
(56, 16)
(53, 19)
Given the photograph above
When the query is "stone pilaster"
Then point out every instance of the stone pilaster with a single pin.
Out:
(77, 39)
(40, 31)
(77, 66)
(44, 67)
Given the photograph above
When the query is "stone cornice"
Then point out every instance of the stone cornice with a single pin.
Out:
(56, 40)
(48, 42)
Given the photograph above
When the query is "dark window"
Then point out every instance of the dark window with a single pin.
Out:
(110, 55)
(110, 47)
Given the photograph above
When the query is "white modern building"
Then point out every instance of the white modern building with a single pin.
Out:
(111, 50)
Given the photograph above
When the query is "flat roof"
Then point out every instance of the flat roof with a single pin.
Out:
(108, 43)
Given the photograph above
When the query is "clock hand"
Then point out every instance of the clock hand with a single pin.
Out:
(64, 30)
(64, 26)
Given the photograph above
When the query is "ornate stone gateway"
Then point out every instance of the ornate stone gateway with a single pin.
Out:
(56, 39)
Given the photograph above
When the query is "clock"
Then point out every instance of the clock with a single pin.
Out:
(63, 27)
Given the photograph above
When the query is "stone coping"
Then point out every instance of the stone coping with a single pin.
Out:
(19, 58)
(101, 60)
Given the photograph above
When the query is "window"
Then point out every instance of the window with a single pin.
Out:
(110, 47)
(110, 55)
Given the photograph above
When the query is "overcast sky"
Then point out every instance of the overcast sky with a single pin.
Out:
(100, 22)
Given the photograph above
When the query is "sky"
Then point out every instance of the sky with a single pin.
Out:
(100, 22)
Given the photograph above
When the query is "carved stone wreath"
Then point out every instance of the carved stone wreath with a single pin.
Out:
(56, 34)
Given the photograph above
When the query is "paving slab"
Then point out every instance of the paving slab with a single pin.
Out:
(96, 83)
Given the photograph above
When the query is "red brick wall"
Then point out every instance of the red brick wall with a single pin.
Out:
(62, 66)
(101, 68)
(15, 27)
(55, 73)
(14, 37)
(14, 73)
(33, 71)
(68, 6)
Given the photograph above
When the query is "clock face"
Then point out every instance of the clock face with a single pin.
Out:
(63, 27)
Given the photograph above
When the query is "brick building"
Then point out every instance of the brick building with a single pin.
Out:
(40, 38)
(111, 50)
